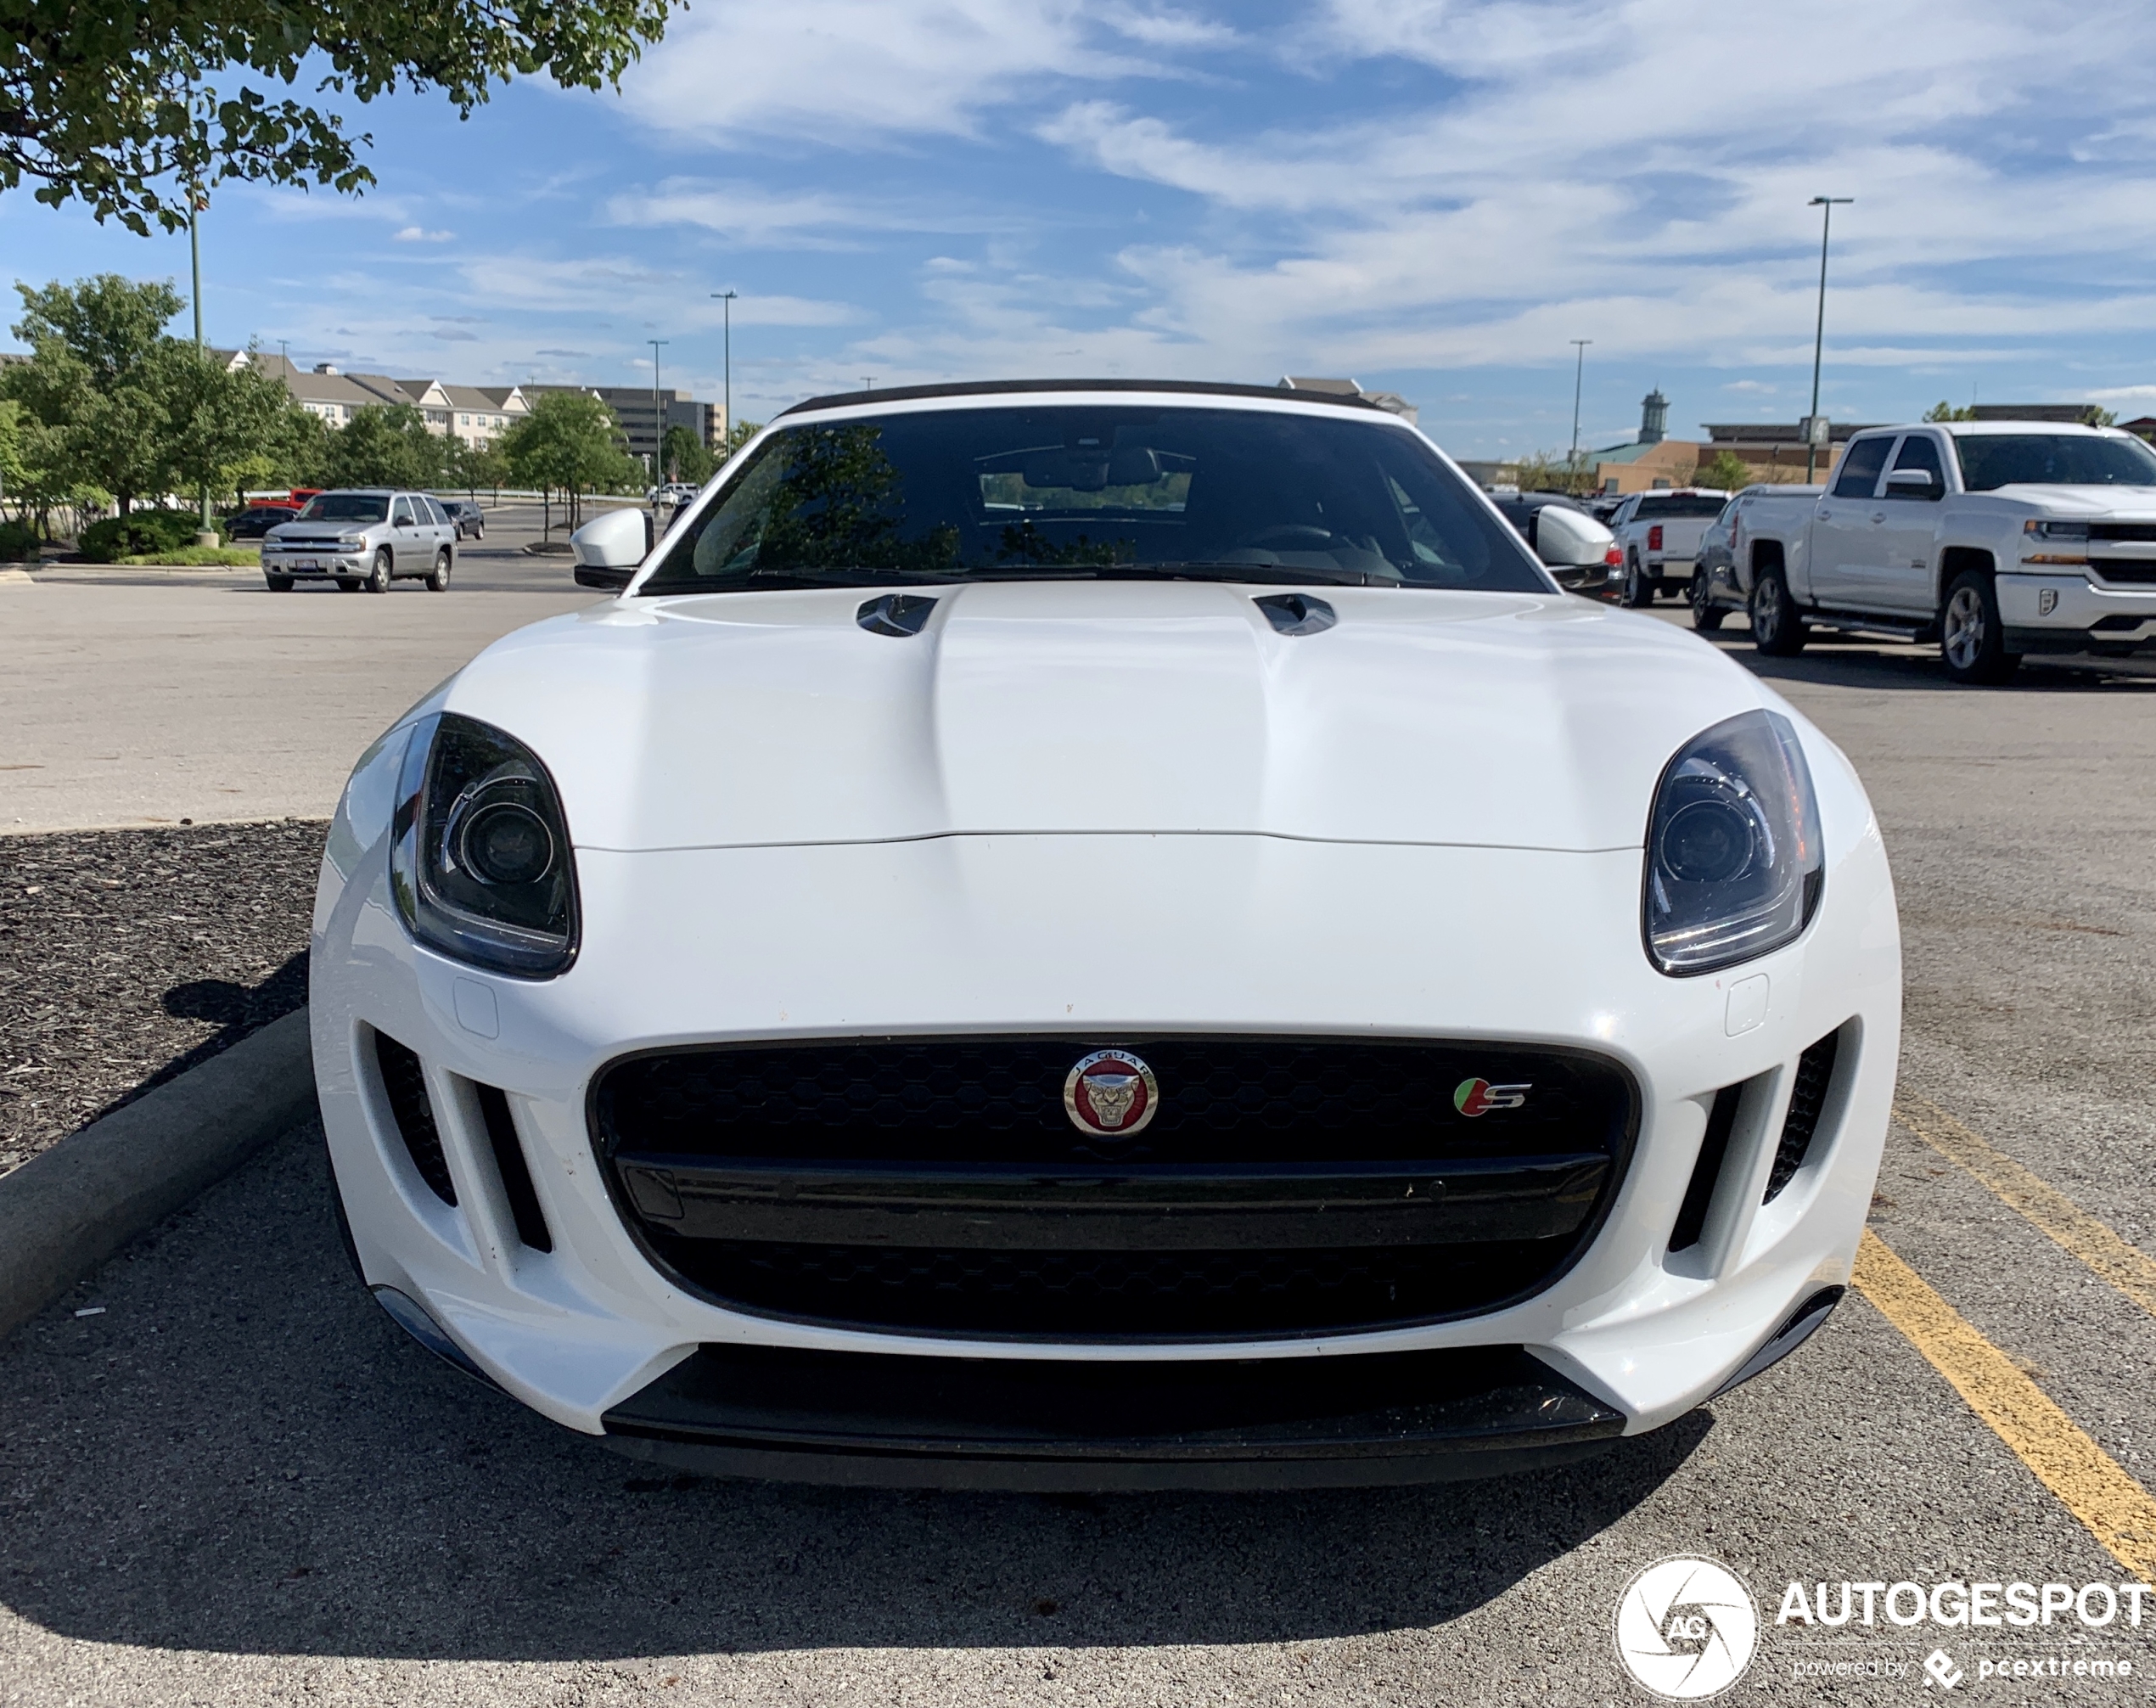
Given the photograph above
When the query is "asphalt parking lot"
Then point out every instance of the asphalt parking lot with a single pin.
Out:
(147, 697)
(235, 1483)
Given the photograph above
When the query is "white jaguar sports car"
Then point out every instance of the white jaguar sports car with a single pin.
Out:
(1101, 934)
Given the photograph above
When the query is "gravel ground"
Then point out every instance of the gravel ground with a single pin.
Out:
(128, 956)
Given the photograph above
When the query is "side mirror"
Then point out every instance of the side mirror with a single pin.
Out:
(1569, 539)
(609, 548)
(1911, 483)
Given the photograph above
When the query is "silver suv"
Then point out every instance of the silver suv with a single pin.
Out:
(363, 538)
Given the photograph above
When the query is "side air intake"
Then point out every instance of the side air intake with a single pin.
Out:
(406, 1082)
(516, 1173)
(1714, 1148)
(1807, 1098)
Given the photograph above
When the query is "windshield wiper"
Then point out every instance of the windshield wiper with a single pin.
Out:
(1280, 575)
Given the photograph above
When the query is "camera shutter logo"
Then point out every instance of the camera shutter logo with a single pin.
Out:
(1687, 1628)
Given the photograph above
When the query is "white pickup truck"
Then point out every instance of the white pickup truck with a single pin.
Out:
(1659, 533)
(1993, 538)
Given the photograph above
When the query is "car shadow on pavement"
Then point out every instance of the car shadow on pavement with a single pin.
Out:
(1862, 663)
(240, 1454)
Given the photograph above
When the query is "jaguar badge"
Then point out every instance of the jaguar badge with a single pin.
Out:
(1111, 1095)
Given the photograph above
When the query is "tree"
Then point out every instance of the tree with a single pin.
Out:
(1726, 470)
(99, 378)
(687, 456)
(385, 445)
(12, 466)
(230, 429)
(1546, 472)
(569, 443)
(1944, 411)
(473, 466)
(738, 435)
(2098, 416)
(99, 103)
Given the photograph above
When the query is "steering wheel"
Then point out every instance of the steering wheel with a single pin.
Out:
(1289, 536)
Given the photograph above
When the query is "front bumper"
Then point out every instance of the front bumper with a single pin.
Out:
(1252, 935)
(2069, 613)
(305, 565)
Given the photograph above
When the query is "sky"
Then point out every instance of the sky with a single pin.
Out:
(1433, 197)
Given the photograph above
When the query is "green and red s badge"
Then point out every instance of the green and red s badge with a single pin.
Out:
(1474, 1097)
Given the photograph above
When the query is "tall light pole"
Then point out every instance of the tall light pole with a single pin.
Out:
(196, 201)
(1826, 204)
(657, 420)
(1578, 373)
(727, 297)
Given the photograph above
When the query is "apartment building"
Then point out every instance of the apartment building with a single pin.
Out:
(477, 414)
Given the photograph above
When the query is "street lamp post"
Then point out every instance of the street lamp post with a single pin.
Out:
(1578, 373)
(727, 297)
(1826, 204)
(204, 534)
(657, 420)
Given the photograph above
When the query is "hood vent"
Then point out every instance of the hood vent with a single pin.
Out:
(1297, 613)
(899, 614)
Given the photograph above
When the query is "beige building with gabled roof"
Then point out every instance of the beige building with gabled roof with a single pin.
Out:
(476, 414)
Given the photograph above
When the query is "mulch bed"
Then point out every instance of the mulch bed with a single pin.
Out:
(128, 956)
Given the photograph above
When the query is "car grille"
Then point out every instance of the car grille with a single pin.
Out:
(1281, 1186)
(2131, 571)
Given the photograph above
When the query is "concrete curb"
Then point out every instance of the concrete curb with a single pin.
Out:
(67, 1208)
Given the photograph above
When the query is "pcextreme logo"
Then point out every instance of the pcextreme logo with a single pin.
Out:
(1687, 1628)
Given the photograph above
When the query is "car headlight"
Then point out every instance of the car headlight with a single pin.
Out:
(2056, 531)
(480, 857)
(351, 545)
(1734, 861)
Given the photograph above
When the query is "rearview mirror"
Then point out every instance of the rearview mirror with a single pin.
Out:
(609, 548)
(1916, 483)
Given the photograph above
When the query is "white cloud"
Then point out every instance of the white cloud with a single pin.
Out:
(1616, 171)
(823, 71)
(754, 217)
(412, 234)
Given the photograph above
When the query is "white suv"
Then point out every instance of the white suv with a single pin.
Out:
(364, 537)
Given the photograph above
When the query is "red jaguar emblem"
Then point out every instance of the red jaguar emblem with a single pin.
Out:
(1110, 1093)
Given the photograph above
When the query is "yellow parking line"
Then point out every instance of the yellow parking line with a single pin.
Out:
(2117, 1511)
(2125, 1267)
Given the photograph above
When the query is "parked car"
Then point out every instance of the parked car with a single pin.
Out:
(1994, 539)
(470, 519)
(1659, 533)
(1577, 550)
(1138, 939)
(363, 538)
(1721, 581)
(255, 521)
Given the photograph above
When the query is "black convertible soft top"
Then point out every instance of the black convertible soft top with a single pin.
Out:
(990, 388)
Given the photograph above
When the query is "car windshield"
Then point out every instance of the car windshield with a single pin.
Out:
(346, 507)
(1684, 504)
(1992, 460)
(1142, 490)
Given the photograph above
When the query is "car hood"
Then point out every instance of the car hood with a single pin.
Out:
(2135, 502)
(747, 719)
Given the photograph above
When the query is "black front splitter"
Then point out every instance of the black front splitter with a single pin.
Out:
(890, 1420)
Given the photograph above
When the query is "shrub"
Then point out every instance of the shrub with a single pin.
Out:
(197, 557)
(143, 534)
(18, 543)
